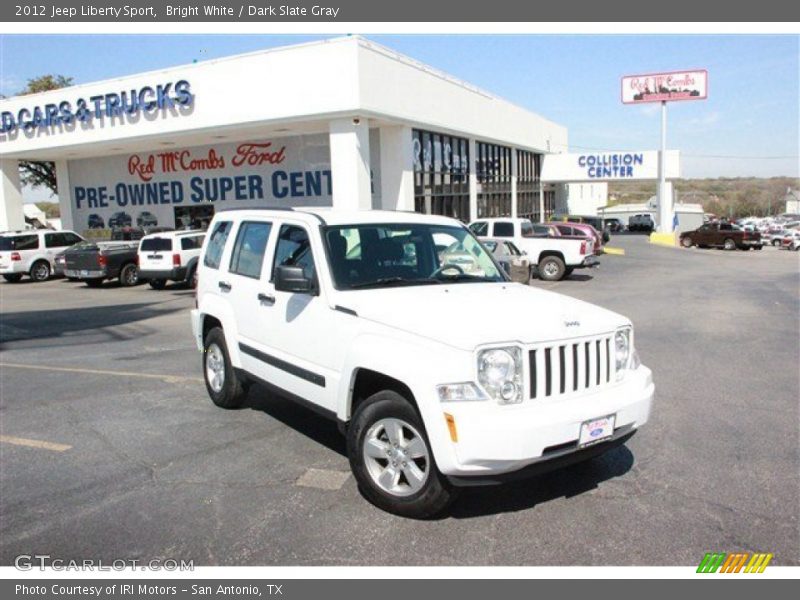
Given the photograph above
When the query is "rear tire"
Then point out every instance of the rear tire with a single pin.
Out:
(13, 278)
(158, 284)
(687, 242)
(222, 383)
(551, 268)
(729, 244)
(776, 243)
(392, 461)
(129, 275)
(40, 271)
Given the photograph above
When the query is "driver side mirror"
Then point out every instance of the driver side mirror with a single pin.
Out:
(293, 279)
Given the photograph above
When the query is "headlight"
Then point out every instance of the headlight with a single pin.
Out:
(622, 350)
(500, 373)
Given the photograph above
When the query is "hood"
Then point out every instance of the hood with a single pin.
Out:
(467, 315)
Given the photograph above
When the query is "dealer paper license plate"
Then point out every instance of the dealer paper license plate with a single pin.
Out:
(596, 430)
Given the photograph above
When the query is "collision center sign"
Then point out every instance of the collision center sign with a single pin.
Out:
(608, 166)
(665, 87)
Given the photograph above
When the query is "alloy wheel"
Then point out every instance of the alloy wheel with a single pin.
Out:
(396, 457)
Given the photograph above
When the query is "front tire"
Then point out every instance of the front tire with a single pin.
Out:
(392, 461)
(13, 278)
(40, 271)
(551, 268)
(223, 385)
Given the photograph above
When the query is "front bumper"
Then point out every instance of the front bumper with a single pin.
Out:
(496, 440)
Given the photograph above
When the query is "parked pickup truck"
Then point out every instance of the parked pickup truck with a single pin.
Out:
(438, 376)
(552, 258)
(721, 235)
(94, 262)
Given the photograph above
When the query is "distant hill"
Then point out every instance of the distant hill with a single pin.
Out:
(737, 196)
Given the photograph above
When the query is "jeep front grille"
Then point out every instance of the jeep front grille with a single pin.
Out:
(566, 368)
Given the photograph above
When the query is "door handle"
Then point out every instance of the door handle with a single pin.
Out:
(225, 286)
(266, 299)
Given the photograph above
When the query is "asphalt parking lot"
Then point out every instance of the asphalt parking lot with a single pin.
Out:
(111, 448)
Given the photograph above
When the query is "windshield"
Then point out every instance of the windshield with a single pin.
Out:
(394, 254)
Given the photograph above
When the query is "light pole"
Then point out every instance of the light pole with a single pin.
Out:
(664, 197)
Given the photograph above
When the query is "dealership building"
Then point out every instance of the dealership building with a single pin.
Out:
(344, 123)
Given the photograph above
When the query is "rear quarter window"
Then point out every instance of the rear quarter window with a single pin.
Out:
(216, 244)
(19, 242)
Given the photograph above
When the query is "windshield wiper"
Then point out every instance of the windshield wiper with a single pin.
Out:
(387, 281)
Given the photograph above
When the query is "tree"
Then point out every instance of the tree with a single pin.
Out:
(41, 173)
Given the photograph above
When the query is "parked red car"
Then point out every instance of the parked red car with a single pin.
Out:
(583, 230)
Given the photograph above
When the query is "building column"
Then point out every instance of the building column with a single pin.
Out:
(541, 202)
(64, 194)
(473, 180)
(11, 215)
(350, 165)
(397, 168)
(514, 207)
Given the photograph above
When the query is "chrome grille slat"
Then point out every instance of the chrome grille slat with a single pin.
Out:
(577, 366)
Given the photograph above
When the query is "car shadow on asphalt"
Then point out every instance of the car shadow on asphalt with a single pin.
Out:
(72, 326)
(303, 420)
(528, 493)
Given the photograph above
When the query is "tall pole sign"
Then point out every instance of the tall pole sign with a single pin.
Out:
(664, 87)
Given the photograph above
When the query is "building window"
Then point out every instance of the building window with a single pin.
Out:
(441, 174)
(493, 170)
(529, 169)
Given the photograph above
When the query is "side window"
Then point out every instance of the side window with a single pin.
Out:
(480, 228)
(71, 239)
(216, 244)
(294, 249)
(53, 240)
(248, 251)
(192, 243)
(26, 242)
(503, 229)
(511, 249)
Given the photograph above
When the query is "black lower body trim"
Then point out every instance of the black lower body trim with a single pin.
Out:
(279, 391)
(563, 458)
(300, 372)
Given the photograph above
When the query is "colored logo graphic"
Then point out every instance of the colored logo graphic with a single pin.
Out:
(734, 563)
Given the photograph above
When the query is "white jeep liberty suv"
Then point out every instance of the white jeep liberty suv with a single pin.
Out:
(440, 371)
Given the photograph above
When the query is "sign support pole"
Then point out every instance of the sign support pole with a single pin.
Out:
(664, 198)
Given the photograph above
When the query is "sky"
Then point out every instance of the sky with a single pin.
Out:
(747, 127)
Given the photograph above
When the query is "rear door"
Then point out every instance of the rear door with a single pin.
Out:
(250, 297)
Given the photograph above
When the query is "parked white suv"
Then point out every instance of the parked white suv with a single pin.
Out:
(33, 253)
(551, 257)
(439, 376)
(170, 256)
